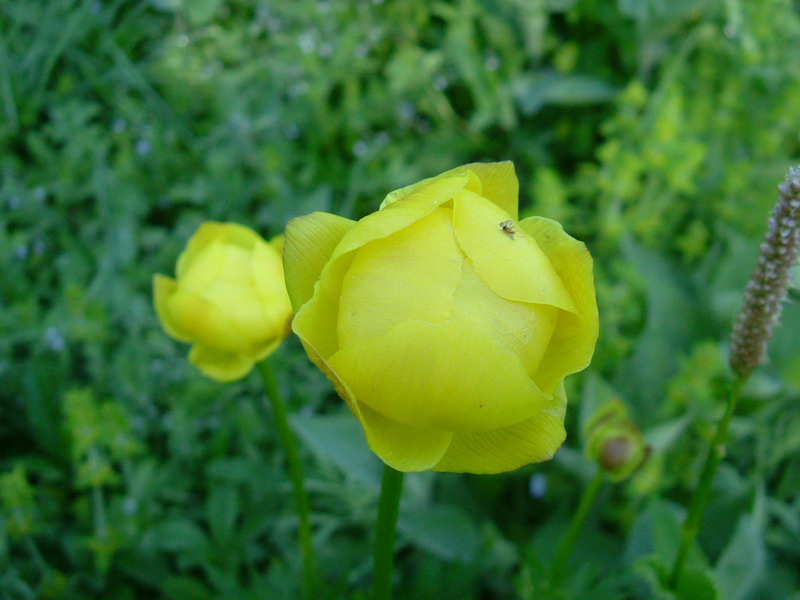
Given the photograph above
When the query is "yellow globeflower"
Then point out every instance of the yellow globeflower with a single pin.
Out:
(229, 299)
(446, 325)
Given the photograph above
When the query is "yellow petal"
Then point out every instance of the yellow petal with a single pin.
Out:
(210, 232)
(206, 325)
(242, 307)
(439, 375)
(309, 243)
(270, 287)
(473, 184)
(317, 319)
(267, 348)
(575, 335)
(403, 447)
(315, 324)
(220, 365)
(218, 261)
(521, 328)
(410, 275)
(277, 242)
(533, 440)
(399, 215)
(515, 268)
(499, 184)
(163, 288)
(340, 386)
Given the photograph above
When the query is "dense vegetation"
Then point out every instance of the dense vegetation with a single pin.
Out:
(655, 130)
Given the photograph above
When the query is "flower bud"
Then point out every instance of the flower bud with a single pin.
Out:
(229, 299)
(614, 442)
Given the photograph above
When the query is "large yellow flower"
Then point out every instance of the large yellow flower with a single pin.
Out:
(446, 329)
(229, 299)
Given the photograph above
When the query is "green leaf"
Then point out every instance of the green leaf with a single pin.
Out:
(340, 440)
(656, 531)
(221, 510)
(742, 564)
(662, 436)
(181, 535)
(535, 90)
(446, 531)
(201, 11)
(185, 588)
(671, 317)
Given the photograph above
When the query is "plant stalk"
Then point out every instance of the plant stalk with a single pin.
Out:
(289, 443)
(385, 528)
(564, 550)
(699, 499)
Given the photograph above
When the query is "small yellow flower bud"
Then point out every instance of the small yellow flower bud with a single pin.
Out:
(229, 299)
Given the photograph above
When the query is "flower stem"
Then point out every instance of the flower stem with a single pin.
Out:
(388, 507)
(280, 415)
(697, 504)
(564, 549)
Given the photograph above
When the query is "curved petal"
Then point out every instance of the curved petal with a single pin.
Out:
(210, 232)
(513, 266)
(403, 447)
(411, 275)
(219, 261)
(533, 440)
(473, 184)
(398, 215)
(277, 242)
(242, 306)
(439, 375)
(522, 328)
(309, 243)
(574, 338)
(499, 184)
(220, 365)
(207, 325)
(267, 273)
(163, 288)
(268, 348)
(315, 323)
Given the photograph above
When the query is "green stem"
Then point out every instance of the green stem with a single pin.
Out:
(388, 507)
(280, 415)
(564, 549)
(697, 504)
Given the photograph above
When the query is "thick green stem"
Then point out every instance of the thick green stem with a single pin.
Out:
(280, 415)
(697, 504)
(564, 549)
(388, 507)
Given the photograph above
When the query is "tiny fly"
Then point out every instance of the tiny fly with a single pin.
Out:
(508, 227)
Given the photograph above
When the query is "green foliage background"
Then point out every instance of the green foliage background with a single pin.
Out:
(655, 130)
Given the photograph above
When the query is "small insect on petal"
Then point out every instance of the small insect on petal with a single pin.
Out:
(508, 227)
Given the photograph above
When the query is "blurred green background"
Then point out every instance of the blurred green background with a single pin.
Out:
(655, 130)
